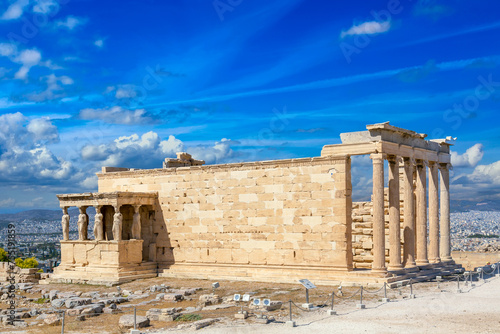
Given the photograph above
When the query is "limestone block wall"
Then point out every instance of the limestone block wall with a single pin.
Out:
(102, 253)
(273, 213)
(21, 275)
(362, 232)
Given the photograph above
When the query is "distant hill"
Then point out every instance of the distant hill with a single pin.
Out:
(463, 205)
(39, 215)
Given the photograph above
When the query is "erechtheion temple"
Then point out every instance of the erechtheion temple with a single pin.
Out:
(278, 221)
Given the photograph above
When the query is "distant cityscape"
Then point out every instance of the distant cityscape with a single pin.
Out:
(477, 231)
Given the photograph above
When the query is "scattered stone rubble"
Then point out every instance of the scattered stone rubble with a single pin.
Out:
(48, 308)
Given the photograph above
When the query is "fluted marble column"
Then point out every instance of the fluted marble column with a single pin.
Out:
(421, 214)
(433, 213)
(444, 224)
(409, 215)
(394, 215)
(378, 264)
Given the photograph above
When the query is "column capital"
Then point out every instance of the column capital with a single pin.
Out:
(65, 209)
(421, 163)
(409, 161)
(378, 156)
(445, 166)
(432, 163)
(137, 207)
(393, 158)
(82, 209)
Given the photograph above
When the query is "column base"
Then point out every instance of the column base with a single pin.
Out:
(398, 267)
(380, 271)
(447, 260)
(435, 260)
(422, 263)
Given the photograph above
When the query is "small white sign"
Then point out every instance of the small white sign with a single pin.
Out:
(246, 298)
(307, 284)
(256, 302)
(237, 297)
(266, 302)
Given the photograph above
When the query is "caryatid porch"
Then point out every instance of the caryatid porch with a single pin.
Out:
(123, 236)
(409, 155)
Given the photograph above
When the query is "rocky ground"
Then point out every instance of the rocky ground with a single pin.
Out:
(184, 305)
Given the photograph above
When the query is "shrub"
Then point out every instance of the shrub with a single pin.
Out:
(189, 317)
(4, 257)
(30, 262)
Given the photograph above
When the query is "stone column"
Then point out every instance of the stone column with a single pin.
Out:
(409, 215)
(83, 223)
(421, 214)
(433, 214)
(378, 264)
(445, 246)
(98, 224)
(117, 224)
(136, 225)
(394, 215)
(65, 223)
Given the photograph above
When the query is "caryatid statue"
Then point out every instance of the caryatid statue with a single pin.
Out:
(136, 224)
(117, 225)
(82, 223)
(98, 224)
(65, 223)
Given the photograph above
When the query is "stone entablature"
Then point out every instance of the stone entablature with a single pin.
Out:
(391, 140)
(115, 198)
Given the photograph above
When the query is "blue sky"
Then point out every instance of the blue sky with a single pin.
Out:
(85, 84)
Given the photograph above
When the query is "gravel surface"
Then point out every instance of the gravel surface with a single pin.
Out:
(476, 310)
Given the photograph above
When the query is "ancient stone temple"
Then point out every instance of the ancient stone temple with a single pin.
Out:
(278, 221)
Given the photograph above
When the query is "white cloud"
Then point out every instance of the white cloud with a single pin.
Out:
(71, 22)
(117, 115)
(220, 152)
(15, 10)
(27, 58)
(90, 182)
(489, 174)
(54, 88)
(367, 28)
(99, 43)
(46, 6)
(24, 155)
(43, 130)
(7, 49)
(146, 151)
(149, 150)
(470, 158)
(8, 202)
(125, 92)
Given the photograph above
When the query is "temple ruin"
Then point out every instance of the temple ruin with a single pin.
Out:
(275, 221)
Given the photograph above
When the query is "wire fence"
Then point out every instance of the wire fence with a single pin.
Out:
(463, 280)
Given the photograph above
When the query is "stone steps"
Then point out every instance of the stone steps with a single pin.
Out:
(103, 274)
(425, 274)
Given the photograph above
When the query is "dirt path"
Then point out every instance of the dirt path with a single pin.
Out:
(477, 311)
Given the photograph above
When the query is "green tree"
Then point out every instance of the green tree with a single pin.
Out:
(30, 262)
(4, 257)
